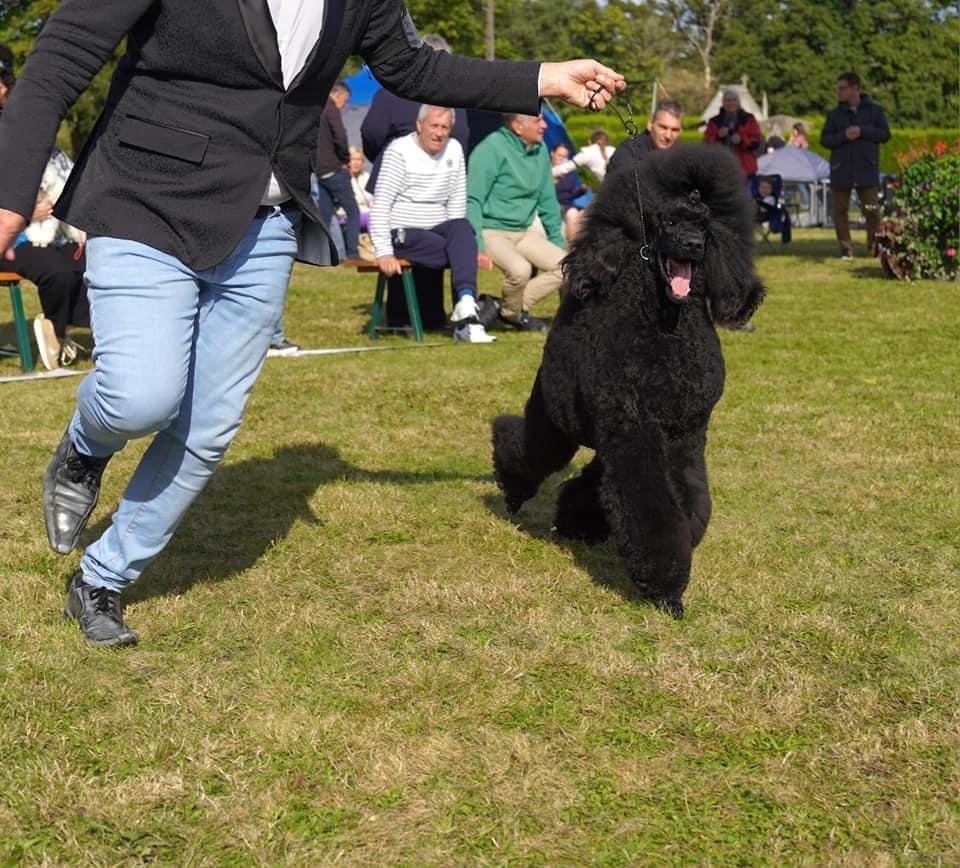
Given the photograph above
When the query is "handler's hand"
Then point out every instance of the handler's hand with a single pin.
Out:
(583, 83)
(484, 261)
(11, 225)
(389, 265)
(853, 132)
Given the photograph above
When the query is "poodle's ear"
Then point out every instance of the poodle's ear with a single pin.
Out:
(733, 288)
(594, 259)
(735, 309)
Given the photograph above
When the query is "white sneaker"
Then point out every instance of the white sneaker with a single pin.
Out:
(472, 333)
(48, 346)
(465, 310)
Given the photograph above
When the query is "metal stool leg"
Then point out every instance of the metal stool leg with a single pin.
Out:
(376, 312)
(20, 324)
(413, 306)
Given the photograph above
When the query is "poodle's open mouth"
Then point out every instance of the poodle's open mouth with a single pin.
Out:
(679, 274)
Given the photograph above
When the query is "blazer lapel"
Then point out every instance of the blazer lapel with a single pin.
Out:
(332, 22)
(263, 36)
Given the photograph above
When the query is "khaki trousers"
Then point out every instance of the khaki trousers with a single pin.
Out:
(869, 207)
(516, 254)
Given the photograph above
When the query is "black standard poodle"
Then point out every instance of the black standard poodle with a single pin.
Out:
(632, 366)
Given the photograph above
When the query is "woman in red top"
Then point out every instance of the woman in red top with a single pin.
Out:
(738, 130)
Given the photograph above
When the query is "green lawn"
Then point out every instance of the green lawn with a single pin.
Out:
(350, 653)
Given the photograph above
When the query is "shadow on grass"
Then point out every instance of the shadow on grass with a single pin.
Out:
(602, 561)
(246, 507)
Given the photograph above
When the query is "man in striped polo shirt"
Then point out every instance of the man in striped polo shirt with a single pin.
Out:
(419, 213)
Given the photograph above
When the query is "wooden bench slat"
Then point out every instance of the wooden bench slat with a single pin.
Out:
(372, 266)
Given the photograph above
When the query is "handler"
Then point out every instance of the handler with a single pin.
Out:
(194, 188)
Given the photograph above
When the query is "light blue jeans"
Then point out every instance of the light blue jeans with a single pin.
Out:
(177, 352)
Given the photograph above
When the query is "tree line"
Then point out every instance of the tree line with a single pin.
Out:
(906, 51)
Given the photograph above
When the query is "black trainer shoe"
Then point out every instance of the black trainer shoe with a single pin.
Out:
(99, 614)
(488, 310)
(71, 487)
(525, 323)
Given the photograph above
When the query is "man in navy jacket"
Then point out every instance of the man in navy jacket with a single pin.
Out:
(194, 190)
(853, 132)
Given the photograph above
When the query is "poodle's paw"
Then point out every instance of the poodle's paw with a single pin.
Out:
(509, 462)
(672, 607)
(516, 491)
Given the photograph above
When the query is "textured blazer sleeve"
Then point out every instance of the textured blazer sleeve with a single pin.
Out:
(76, 42)
(407, 67)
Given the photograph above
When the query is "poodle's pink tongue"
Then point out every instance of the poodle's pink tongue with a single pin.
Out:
(680, 273)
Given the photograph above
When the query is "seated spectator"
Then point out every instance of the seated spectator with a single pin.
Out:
(419, 214)
(389, 117)
(798, 137)
(570, 189)
(358, 181)
(510, 186)
(595, 156)
(50, 255)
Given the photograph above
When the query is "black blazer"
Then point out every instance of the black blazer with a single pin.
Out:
(197, 117)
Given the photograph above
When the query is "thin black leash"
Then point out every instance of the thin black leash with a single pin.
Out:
(633, 130)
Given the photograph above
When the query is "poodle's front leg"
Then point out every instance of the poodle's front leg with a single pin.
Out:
(647, 517)
(580, 515)
(527, 449)
(690, 469)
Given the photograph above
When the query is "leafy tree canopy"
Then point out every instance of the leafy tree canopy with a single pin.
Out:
(905, 50)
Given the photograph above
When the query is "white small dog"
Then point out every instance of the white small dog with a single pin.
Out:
(42, 233)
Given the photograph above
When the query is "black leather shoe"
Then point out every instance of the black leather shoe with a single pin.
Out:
(71, 487)
(99, 614)
(525, 323)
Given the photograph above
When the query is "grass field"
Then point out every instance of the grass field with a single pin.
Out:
(350, 653)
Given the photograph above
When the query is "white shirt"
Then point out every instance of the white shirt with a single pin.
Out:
(416, 189)
(298, 24)
(592, 157)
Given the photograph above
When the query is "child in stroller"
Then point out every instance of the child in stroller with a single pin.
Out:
(767, 192)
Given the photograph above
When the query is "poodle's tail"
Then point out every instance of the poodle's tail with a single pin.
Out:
(516, 478)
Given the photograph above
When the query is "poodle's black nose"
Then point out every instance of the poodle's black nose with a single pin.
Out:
(693, 245)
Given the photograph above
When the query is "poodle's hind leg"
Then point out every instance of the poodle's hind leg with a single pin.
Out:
(647, 518)
(527, 449)
(580, 514)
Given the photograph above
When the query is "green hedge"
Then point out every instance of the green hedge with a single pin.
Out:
(580, 125)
